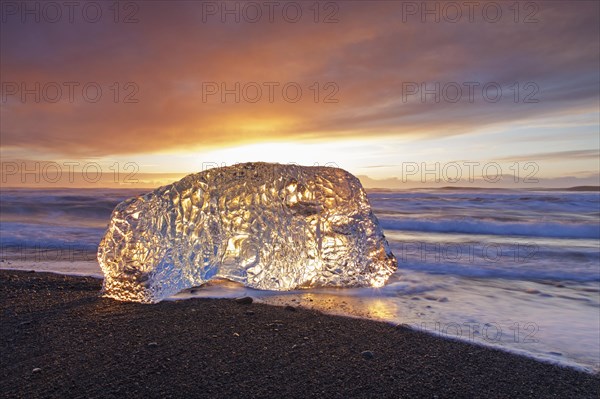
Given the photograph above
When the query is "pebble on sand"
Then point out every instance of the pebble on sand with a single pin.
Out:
(367, 354)
(245, 300)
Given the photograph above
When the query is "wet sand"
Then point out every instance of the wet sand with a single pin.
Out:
(60, 339)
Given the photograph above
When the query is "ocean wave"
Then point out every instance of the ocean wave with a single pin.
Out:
(528, 272)
(470, 226)
(32, 235)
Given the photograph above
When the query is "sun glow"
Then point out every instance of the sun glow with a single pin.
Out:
(310, 154)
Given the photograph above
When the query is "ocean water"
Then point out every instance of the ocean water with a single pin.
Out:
(513, 269)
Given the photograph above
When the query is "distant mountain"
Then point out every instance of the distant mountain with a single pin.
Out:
(580, 188)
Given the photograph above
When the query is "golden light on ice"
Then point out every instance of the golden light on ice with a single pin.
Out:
(268, 226)
(377, 282)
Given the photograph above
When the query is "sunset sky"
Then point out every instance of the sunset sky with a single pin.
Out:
(361, 67)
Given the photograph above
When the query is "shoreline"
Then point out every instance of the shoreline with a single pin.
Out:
(324, 301)
(85, 345)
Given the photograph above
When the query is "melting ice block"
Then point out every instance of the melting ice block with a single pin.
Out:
(267, 226)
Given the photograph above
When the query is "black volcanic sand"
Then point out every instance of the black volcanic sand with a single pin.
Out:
(60, 339)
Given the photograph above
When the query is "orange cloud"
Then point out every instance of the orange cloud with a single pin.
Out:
(171, 61)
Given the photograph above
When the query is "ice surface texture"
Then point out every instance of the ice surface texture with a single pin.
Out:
(267, 226)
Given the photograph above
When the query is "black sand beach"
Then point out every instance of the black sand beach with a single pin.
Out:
(60, 339)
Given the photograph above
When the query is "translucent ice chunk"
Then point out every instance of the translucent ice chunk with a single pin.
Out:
(267, 226)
